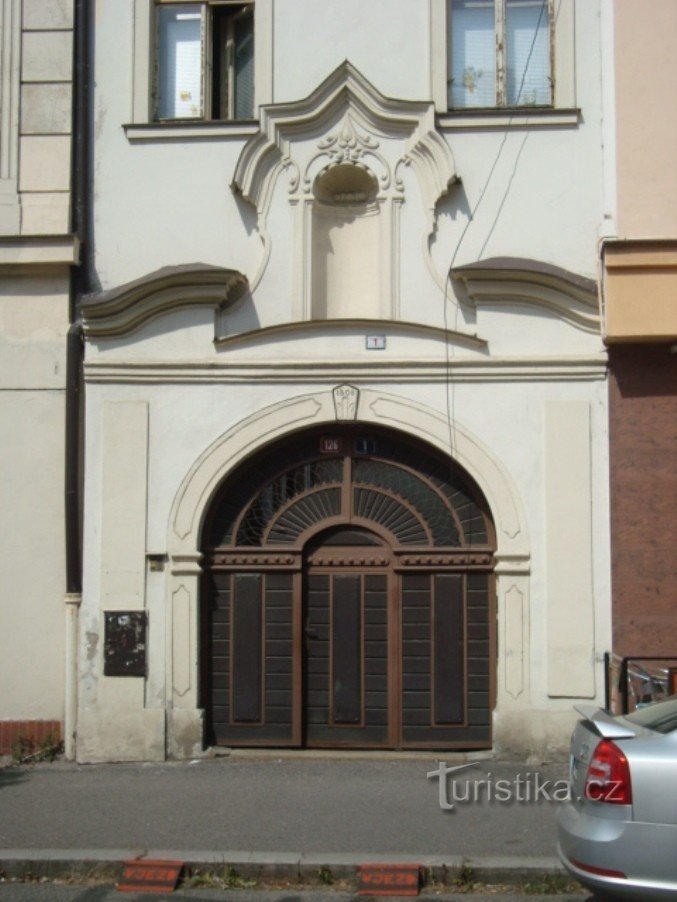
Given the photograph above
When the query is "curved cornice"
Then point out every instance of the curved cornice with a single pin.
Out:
(121, 310)
(510, 280)
(400, 327)
(344, 90)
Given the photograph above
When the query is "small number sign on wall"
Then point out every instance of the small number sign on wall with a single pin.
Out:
(331, 444)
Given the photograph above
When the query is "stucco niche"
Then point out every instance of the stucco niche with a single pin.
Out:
(330, 170)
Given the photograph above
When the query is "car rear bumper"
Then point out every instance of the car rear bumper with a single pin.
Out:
(598, 851)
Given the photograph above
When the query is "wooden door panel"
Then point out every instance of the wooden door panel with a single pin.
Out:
(346, 668)
(346, 650)
(349, 676)
(248, 677)
(247, 651)
(445, 678)
(449, 649)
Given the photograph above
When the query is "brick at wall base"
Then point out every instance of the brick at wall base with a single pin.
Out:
(11, 731)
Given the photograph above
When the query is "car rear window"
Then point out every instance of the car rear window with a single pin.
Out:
(661, 717)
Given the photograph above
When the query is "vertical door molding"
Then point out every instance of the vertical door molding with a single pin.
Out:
(184, 718)
(513, 653)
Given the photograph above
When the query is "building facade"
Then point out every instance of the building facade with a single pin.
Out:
(639, 288)
(346, 420)
(344, 431)
(38, 252)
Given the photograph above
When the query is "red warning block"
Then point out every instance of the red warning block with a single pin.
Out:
(143, 875)
(389, 880)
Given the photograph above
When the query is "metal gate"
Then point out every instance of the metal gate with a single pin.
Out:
(348, 599)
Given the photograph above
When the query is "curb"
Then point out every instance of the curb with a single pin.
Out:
(300, 866)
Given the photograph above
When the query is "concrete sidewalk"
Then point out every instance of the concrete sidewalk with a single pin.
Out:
(283, 815)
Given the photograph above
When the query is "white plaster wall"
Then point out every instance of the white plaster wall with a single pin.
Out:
(387, 41)
(507, 331)
(33, 328)
(33, 320)
(31, 535)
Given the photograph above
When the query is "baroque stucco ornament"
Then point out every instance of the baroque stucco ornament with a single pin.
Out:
(510, 280)
(345, 120)
(285, 126)
(348, 144)
(126, 308)
(346, 398)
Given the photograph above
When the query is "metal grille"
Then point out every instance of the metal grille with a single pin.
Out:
(422, 497)
(390, 513)
(279, 492)
(303, 514)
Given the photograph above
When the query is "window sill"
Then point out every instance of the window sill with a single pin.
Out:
(186, 130)
(518, 117)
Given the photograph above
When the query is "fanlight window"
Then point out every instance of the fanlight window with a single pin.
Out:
(410, 495)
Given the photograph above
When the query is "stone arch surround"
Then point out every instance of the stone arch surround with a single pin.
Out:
(184, 718)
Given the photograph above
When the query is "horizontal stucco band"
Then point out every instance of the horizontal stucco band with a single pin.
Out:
(496, 369)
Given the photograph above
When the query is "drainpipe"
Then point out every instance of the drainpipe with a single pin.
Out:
(74, 362)
(72, 482)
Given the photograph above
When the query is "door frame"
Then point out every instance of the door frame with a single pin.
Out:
(293, 553)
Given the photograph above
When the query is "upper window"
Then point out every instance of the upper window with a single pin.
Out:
(204, 60)
(500, 53)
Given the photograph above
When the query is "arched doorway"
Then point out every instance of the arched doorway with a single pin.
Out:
(347, 597)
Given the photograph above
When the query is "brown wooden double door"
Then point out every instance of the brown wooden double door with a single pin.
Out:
(361, 657)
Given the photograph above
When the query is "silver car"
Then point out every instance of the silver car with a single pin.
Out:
(618, 833)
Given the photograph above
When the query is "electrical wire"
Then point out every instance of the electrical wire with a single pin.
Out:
(471, 217)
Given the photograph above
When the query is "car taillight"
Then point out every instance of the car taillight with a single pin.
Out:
(608, 776)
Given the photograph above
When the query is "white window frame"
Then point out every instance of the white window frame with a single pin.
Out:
(144, 56)
(562, 62)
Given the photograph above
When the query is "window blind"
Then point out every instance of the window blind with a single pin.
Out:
(473, 54)
(527, 53)
(179, 62)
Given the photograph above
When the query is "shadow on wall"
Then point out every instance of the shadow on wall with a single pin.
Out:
(247, 212)
(454, 204)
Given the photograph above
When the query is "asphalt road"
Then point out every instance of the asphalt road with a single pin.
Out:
(278, 805)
